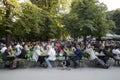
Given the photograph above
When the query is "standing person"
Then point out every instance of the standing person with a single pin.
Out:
(51, 55)
(78, 55)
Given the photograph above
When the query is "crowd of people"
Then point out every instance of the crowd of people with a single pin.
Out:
(54, 49)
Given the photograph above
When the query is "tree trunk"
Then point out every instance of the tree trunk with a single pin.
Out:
(85, 38)
(99, 38)
(8, 21)
(8, 39)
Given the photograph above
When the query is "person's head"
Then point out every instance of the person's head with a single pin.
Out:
(1, 44)
(88, 46)
(78, 47)
(10, 47)
(49, 47)
(116, 47)
(37, 47)
(73, 49)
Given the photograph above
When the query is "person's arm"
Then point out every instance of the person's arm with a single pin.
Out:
(77, 52)
(116, 51)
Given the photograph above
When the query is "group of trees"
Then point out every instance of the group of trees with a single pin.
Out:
(31, 20)
(114, 15)
(88, 17)
(47, 19)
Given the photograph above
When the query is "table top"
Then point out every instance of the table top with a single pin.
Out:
(11, 56)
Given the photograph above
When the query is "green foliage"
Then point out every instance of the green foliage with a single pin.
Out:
(88, 17)
(54, 8)
(46, 19)
(30, 22)
(115, 16)
(36, 23)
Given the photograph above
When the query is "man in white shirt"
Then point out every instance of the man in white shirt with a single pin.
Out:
(18, 49)
(117, 52)
(51, 56)
(4, 48)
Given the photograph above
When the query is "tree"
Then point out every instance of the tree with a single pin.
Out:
(34, 24)
(102, 23)
(27, 21)
(31, 22)
(11, 9)
(88, 17)
(81, 22)
(55, 9)
(115, 16)
(1, 20)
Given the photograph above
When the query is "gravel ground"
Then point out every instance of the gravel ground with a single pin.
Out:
(82, 73)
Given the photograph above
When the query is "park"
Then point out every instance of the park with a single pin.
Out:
(59, 39)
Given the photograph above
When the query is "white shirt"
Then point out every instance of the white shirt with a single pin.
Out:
(3, 49)
(117, 52)
(52, 54)
(36, 55)
(91, 52)
(18, 49)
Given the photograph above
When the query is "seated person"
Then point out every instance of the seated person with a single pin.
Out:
(51, 55)
(8, 52)
(91, 52)
(116, 51)
(24, 51)
(3, 49)
(104, 51)
(67, 59)
(37, 53)
(18, 48)
(78, 55)
(6, 57)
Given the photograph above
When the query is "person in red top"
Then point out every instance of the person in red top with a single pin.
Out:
(58, 47)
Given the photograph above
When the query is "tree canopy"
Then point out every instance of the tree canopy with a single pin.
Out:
(115, 16)
(48, 19)
(88, 17)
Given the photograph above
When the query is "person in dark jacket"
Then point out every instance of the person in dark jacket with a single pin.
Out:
(78, 55)
(24, 51)
(8, 56)
(8, 52)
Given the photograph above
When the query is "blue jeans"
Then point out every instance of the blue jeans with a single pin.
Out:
(100, 62)
(74, 59)
(48, 63)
